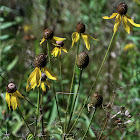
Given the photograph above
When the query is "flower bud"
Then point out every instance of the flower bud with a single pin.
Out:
(96, 99)
(80, 27)
(48, 34)
(122, 8)
(82, 60)
(11, 87)
(61, 43)
(40, 60)
(43, 77)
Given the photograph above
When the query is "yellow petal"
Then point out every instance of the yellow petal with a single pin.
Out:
(13, 102)
(19, 94)
(59, 51)
(47, 83)
(7, 98)
(49, 73)
(86, 40)
(117, 23)
(132, 22)
(112, 16)
(58, 38)
(125, 24)
(43, 86)
(31, 82)
(75, 38)
(63, 48)
(43, 39)
(129, 46)
(91, 37)
(38, 77)
(55, 52)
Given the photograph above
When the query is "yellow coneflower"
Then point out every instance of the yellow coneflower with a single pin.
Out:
(35, 77)
(128, 23)
(59, 45)
(81, 30)
(48, 35)
(12, 95)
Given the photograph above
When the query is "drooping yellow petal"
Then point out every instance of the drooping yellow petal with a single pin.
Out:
(117, 23)
(18, 94)
(31, 82)
(55, 52)
(86, 40)
(38, 77)
(64, 49)
(7, 98)
(75, 38)
(49, 73)
(43, 39)
(43, 86)
(60, 51)
(13, 102)
(125, 24)
(91, 37)
(47, 83)
(58, 38)
(129, 46)
(112, 16)
(132, 22)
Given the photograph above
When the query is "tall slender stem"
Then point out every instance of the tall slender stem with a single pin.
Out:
(60, 66)
(75, 98)
(53, 82)
(37, 111)
(89, 124)
(72, 82)
(85, 101)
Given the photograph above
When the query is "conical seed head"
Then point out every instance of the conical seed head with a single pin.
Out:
(96, 99)
(11, 87)
(48, 34)
(82, 60)
(81, 27)
(40, 60)
(122, 8)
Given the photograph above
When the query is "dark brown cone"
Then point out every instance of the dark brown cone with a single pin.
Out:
(11, 87)
(61, 43)
(40, 61)
(80, 27)
(122, 8)
(96, 99)
(43, 77)
(48, 34)
(82, 60)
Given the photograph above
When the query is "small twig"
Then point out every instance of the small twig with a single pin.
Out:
(42, 124)
(29, 102)
(109, 133)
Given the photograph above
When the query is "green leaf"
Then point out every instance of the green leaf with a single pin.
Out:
(30, 137)
(7, 25)
(4, 37)
(7, 48)
(1, 19)
(12, 64)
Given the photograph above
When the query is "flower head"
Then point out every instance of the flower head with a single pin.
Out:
(59, 45)
(128, 23)
(12, 96)
(48, 35)
(35, 78)
(81, 31)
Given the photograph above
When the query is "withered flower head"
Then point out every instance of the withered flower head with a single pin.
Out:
(122, 8)
(82, 60)
(80, 27)
(11, 88)
(96, 99)
(40, 60)
(48, 34)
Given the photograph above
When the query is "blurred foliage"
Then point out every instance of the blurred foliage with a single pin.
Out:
(21, 28)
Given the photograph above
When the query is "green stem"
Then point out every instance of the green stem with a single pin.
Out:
(53, 82)
(85, 101)
(72, 82)
(60, 65)
(37, 111)
(25, 122)
(75, 99)
(89, 124)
